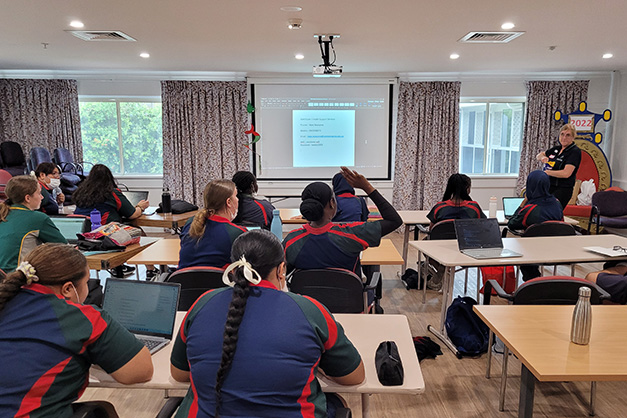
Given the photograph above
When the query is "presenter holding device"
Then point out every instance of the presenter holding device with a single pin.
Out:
(561, 164)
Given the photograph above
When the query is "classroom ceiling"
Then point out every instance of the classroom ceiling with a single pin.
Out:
(251, 36)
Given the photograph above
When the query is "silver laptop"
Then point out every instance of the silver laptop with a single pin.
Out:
(146, 309)
(135, 196)
(71, 226)
(510, 204)
(481, 239)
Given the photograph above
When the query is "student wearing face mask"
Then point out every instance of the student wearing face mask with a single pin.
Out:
(206, 239)
(49, 340)
(254, 350)
(49, 177)
(22, 227)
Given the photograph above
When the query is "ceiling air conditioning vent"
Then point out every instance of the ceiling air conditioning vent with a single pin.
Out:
(101, 35)
(490, 37)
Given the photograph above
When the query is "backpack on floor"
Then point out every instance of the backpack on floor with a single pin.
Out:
(464, 327)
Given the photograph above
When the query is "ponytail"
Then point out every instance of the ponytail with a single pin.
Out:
(5, 208)
(197, 228)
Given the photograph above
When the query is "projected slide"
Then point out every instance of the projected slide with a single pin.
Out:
(323, 138)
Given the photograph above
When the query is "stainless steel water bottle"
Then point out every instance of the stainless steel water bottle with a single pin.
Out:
(582, 318)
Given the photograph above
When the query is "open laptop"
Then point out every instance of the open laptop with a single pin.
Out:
(510, 204)
(481, 239)
(146, 309)
(71, 226)
(135, 196)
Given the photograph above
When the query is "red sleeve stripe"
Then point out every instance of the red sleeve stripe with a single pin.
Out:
(182, 334)
(529, 210)
(296, 238)
(32, 400)
(193, 408)
(118, 202)
(351, 236)
(308, 409)
(265, 215)
(98, 325)
(331, 325)
(473, 205)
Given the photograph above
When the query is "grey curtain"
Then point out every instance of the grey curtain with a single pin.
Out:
(541, 129)
(427, 142)
(41, 113)
(204, 124)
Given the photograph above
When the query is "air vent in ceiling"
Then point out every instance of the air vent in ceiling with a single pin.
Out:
(490, 37)
(101, 35)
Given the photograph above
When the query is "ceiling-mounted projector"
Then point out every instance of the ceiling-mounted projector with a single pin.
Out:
(330, 71)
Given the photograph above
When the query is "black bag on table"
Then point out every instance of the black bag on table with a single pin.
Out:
(179, 206)
(388, 364)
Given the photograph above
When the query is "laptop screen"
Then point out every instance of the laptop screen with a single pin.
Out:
(510, 204)
(142, 307)
(478, 233)
(135, 196)
(70, 226)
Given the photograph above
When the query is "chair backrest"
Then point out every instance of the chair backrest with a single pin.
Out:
(556, 290)
(610, 202)
(341, 291)
(550, 229)
(62, 155)
(5, 176)
(194, 282)
(12, 154)
(443, 230)
(39, 155)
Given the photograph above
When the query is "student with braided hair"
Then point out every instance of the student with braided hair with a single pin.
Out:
(49, 340)
(253, 349)
(251, 211)
(22, 226)
(206, 239)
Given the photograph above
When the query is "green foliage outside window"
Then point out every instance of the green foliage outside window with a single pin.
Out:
(135, 148)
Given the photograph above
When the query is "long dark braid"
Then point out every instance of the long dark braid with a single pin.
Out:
(264, 252)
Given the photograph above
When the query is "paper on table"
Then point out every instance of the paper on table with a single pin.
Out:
(606, 251)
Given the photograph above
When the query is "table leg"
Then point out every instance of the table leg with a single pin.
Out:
(447, 291)
(405, 247)
(527, 388)
(365, 405)
(424, 274)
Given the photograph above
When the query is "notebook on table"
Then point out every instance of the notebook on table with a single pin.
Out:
(146, 309)
(510, 204)
(481, 239)
(71, 226)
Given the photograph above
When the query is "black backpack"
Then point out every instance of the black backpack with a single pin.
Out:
(464, 327)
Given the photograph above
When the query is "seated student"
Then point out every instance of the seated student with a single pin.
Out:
(100, 192)
(49, 177)
(253, 349)
(350, 208)
(323, 244)
(251, 211)
(613, 280)
(206, 239)
(540, 206)
(456, 202)
(22, 227)
(49, 340)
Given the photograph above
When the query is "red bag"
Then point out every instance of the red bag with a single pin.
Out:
(496, 273)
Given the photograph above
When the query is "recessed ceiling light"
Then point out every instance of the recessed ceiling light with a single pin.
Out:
(508, 25)
(608, 55)
(76, 24)
(299, 56)
(291, 8)
(454, 56)
(144, 55)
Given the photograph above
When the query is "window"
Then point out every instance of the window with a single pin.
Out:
(124, 136)
(490, 137)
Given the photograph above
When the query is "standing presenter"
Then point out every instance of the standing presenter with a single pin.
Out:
(561, 164)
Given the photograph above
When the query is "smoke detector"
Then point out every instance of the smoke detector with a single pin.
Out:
(295, 23)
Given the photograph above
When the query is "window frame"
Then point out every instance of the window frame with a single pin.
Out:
(486, 128)
(118, 100)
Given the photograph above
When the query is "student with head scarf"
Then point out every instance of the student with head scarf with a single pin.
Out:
(350, 208)
(323, 244)
(540, 206)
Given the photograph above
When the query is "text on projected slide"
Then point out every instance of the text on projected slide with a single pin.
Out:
(323, 138)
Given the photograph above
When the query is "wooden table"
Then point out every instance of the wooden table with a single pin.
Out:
(539, 336)
(365, 331)
(419, 217)
(162, 220)
(166, 251)
(535, 250)
(111, 260)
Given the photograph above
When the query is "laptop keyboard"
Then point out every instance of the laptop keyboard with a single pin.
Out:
(149, 343)
(484, 252)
